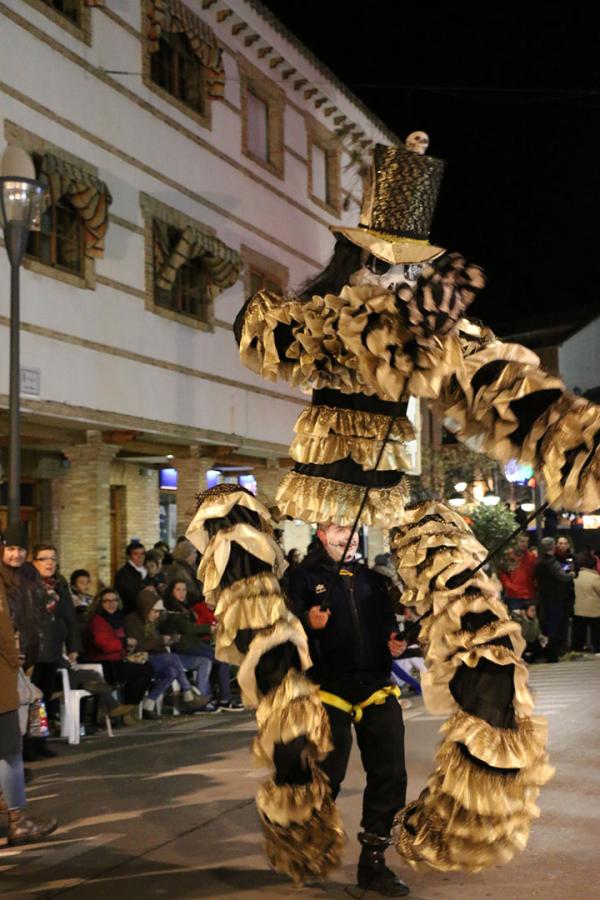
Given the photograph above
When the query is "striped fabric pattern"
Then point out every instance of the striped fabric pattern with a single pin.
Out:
(222, 264)
(88, 194)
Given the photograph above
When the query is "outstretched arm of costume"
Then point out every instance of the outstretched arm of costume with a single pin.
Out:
(499, 400)
(478, 805)
(240, 568)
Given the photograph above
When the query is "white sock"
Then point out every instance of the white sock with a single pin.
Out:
(188, 696)
(148, 704)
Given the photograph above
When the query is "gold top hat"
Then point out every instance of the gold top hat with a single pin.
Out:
(398, 206)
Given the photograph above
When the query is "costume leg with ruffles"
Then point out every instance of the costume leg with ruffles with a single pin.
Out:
(240, 568)
(478, 805)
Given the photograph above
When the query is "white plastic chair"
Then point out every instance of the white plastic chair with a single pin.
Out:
(70, 706)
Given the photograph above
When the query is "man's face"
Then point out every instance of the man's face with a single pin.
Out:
(137, 556)
(523, 543)
(14, 556)
(563, 548)
(334, 539)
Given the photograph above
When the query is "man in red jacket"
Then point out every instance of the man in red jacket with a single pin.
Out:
(518, 579)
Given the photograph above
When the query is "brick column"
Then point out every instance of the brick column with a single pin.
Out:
(268, 479)
(85, 513)
(191, 478)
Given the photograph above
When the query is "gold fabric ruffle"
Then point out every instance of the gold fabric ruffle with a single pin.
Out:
(364, 451)
(309, 845)
(257, 543)
(255, 602)
(351, 343)
(219, 505)
(561, 444)
(286, 629)
(321, 421)
(322, 500)
(504, 748)
(291, 710)
(474, 813)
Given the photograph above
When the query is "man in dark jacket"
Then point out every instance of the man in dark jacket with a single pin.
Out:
(129, 578)
(352, 644)
(555, 587)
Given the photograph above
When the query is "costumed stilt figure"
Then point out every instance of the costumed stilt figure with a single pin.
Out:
(383, 322)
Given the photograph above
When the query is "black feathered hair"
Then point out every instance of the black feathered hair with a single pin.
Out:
(344, 261)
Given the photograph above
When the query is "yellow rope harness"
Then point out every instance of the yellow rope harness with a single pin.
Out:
(356, 711)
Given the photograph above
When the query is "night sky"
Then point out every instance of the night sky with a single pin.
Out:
(510, 96)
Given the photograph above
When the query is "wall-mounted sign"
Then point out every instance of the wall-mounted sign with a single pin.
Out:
(31, 382)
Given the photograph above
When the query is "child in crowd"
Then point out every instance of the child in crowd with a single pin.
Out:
(532, 632)
(80, 591)
(411, 663)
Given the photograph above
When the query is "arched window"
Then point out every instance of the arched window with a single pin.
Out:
(60, 240)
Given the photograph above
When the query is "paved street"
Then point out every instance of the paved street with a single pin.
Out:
(167, 811)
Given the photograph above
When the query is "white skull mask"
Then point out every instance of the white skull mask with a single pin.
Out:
(418, 142)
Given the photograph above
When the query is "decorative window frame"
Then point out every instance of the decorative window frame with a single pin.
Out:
(32, 143)
(317, 134)
(252, 259)
(201, 118)
(254, 81)
(82, 32)
(153, 209)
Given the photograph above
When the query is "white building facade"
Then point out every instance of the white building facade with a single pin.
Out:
(193, 151)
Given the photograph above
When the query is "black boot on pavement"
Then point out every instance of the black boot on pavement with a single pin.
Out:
(373, 874)
(23, 830)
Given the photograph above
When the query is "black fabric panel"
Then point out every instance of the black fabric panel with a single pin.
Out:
(330, 397)
(493, 770)
(290, 767)
(488, 373)
(242, 564)
(349, 472)
(274, 665)
(475, 621)
(528, 409)
(238, 515)
(243, 639)
(486, 691)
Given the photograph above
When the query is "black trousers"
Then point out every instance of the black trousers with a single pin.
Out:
(136, 679)
(380, 737)
(580, 627)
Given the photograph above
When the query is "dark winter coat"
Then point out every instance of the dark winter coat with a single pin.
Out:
(128, 584)
(58, 622)
(139, 627)
(555, 586)
(178, 619)
(353, 646)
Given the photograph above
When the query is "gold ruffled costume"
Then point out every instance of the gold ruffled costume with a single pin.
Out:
(253, 620)
(479, 803)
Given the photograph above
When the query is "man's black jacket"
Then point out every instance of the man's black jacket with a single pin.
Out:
(352, 648)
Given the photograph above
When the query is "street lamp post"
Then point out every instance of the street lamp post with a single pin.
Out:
(20, 205)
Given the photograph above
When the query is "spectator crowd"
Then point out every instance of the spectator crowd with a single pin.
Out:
(146, 644)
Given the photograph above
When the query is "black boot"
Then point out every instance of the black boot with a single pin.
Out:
(373, 874)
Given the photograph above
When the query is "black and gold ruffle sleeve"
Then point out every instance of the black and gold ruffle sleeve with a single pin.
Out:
(240, 567)
(478, 805)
